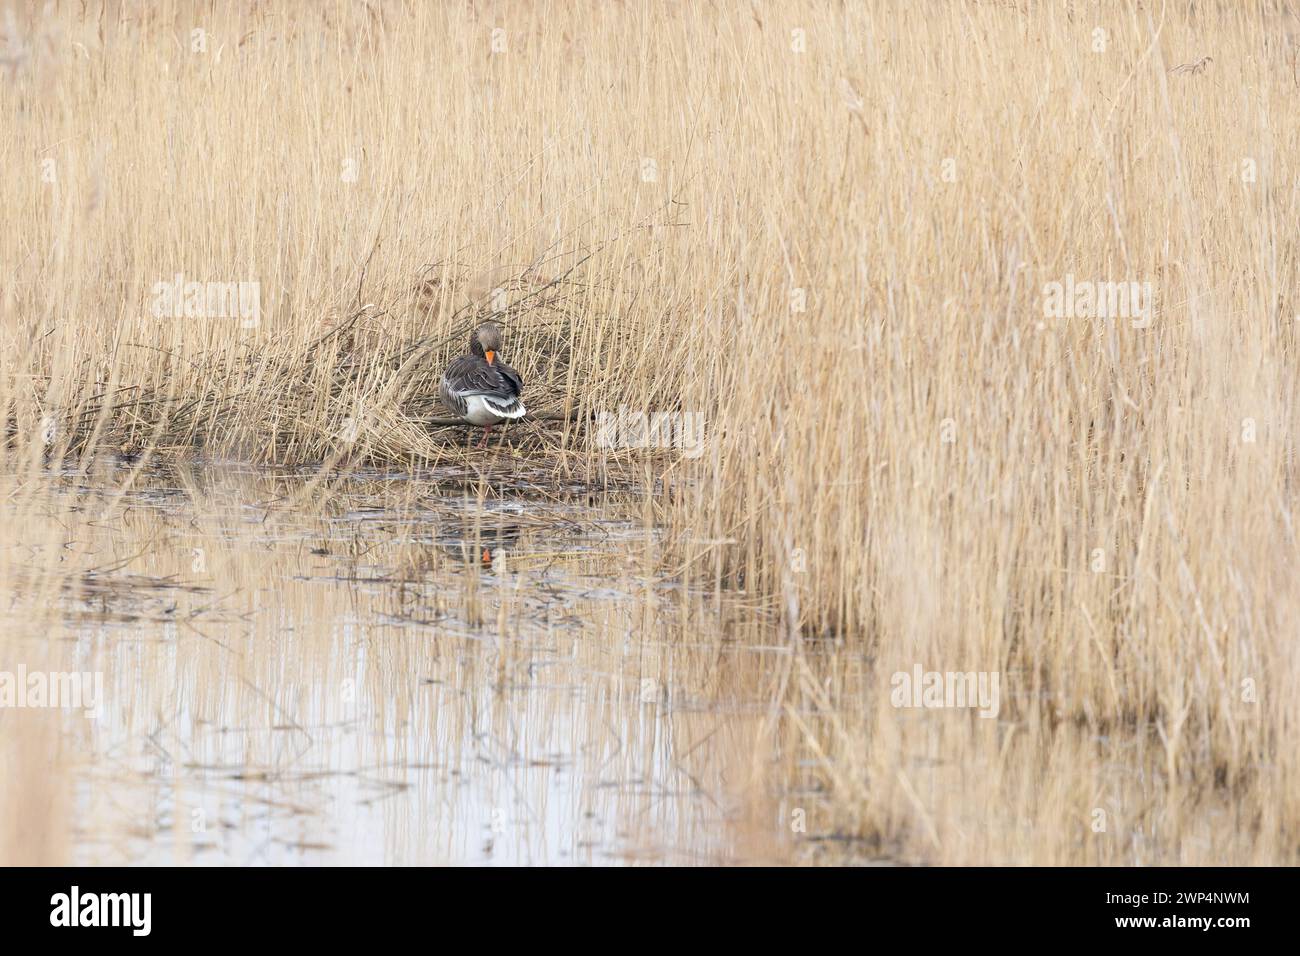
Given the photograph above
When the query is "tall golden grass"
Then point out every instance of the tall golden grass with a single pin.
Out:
(828, 228)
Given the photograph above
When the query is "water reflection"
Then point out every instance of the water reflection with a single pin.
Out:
(389, 669)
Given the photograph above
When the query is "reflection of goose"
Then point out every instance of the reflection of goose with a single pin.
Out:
(488, 550)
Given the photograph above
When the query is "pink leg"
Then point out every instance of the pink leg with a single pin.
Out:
(487, 430)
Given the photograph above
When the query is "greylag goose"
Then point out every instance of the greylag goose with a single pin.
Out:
(479, 387)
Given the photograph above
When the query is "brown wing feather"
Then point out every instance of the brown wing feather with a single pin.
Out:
(471, 375)
(511, 378)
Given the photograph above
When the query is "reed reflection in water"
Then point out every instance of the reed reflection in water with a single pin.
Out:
(388, 669)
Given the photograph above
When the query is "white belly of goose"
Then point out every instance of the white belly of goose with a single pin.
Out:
(478, 411)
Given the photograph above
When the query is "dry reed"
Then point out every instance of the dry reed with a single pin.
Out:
(828, 229)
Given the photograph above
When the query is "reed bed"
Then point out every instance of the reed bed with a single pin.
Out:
(829, 230)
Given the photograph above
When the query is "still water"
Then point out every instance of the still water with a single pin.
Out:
(446, 667)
